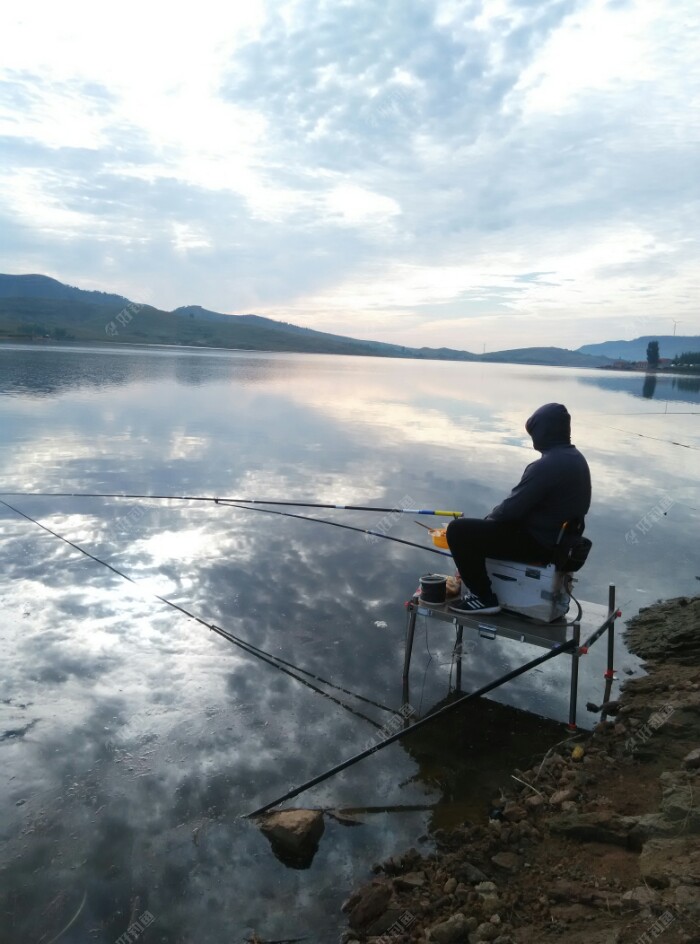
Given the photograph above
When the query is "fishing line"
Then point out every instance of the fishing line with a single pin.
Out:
(243, 503)
(243, 644)
(670, 442)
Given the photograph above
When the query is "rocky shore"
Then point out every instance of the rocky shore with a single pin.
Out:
(598, 842)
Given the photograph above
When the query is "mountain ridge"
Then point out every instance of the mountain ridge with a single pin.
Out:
(636, 349)
(33, 305)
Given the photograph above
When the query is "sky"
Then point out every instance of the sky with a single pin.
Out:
(480, 175)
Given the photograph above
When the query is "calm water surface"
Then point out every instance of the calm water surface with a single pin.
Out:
(132, 740)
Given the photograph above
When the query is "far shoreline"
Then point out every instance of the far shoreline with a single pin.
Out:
(474, 359)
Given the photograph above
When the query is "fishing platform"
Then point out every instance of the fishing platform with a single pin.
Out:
(592, 621)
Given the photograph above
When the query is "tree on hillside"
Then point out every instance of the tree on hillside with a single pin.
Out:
(653, 354)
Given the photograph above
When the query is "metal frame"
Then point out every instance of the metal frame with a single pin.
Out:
(520, 629)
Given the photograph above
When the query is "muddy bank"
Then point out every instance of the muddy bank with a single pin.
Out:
(598, 842)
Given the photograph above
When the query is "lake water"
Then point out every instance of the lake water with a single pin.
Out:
(133, 740)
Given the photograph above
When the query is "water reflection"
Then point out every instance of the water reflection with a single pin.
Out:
(133, 739)
(674, 388)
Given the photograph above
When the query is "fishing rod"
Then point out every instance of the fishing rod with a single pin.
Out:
(243, 644)
(337, 524)
(241, 501)
(232, 503)
(567, 646)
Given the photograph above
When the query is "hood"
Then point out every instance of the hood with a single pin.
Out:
(550, 425)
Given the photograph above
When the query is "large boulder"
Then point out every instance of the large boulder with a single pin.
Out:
(294, 835)
(594, 827)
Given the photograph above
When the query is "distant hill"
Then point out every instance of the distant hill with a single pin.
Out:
(552, 356)
(636, 350)
(38, 307)
(41, 286)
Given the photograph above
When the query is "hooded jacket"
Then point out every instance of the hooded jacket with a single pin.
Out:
(553, 489)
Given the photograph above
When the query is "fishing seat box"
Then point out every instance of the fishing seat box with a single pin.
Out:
(537, 591)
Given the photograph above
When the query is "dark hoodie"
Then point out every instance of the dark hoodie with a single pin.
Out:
(555, 488)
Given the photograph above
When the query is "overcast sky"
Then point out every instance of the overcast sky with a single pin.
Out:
(495, 174)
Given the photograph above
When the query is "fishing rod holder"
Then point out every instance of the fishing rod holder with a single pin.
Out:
(594, 620)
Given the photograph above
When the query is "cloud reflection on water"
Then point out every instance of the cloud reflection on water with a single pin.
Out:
(141, 726)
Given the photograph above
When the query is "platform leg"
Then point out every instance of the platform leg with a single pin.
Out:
(611, 632)
(573, 696)
(410, 630)
(458, 653)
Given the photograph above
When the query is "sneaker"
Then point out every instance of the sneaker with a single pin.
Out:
(475, 604)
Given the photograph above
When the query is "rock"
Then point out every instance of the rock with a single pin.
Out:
(450, 886)
(293, 834)
(513, 812)
(452, 931)
(486, 932)
(486, 888)
(564, 890)
(594, 827)
(368, 904)
(410, 881)
(508, 861)
(692, 760)
(561, 796)
(388, 923)
(684, 897)
(535, 802)
(568, 806)
(471, 874)
(640, 897)
(665, 862)
(678, 803)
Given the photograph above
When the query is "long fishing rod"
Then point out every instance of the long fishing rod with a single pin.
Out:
(233, 503)
(241, 501)
(337, 524)
(567, 646)
(243, 644)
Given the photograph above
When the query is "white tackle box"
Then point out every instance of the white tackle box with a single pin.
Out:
(533, 590)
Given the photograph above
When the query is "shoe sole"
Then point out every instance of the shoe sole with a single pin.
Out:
(485, 611)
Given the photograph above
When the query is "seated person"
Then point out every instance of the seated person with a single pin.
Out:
(526, 526)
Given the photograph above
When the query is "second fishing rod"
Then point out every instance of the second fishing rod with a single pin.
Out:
(242, 501)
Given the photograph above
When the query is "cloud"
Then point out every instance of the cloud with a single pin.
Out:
(392, 171)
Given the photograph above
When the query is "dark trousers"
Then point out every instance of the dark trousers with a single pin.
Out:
(471, 540)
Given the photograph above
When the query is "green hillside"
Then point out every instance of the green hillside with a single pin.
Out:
(35, 307)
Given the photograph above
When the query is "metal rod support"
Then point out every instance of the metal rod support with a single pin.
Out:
(484, 690)
(410, 631)
(573, 694)
(458, 653)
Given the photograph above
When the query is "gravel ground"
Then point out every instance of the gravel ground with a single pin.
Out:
(599, 843)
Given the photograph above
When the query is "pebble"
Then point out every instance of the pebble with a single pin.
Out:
(486, 932)
(535, 802)
(692, 760)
